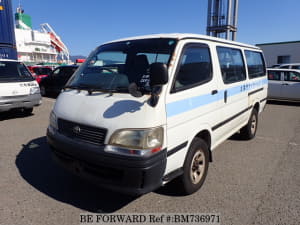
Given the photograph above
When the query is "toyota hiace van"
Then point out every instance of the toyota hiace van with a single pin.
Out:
(142, 111)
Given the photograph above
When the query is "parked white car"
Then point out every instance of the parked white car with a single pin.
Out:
(295, 66)
(284, 84)
(18, 89)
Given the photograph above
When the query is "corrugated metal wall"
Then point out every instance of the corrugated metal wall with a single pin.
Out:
(273, 50)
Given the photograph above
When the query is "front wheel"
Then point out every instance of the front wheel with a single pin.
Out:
(248, 132)
(195, 166)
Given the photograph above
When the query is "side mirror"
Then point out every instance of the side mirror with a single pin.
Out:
(158, 74)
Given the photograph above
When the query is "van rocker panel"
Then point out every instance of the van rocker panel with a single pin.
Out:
(130, 175)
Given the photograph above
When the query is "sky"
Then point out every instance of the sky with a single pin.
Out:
(85, 24)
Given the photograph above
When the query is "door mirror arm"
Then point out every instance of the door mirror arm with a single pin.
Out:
(155, 93)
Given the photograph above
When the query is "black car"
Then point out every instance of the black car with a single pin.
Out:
(52, 84)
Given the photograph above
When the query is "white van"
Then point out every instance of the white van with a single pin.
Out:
(143, 111)
(18, 89)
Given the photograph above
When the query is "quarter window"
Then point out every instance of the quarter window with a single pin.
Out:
(194, 67)
(255, 64)
(232, 64)
(274, 75)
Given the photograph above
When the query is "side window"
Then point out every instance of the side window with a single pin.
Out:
(292, 76)
(232, 64)
(274, 75)
(194, 67)
(156, 57)
(284, 67)
(255, 64)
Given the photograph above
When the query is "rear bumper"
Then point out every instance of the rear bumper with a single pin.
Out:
(130, 175)
(24, 101)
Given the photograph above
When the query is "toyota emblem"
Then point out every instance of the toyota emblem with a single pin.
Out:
(76, 129)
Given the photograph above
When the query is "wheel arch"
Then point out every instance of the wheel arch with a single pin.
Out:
(256, 106)
(205, 135)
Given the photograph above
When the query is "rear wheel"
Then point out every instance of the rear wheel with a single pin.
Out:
(195, 166)
(248, 132)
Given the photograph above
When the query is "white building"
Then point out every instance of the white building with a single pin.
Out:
(34, 46)
(281, 52)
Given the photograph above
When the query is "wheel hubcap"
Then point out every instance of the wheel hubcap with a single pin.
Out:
(197, 167)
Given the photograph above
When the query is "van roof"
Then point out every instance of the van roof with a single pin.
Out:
(181, 36)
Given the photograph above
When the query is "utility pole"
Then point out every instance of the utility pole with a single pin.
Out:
(222, 18)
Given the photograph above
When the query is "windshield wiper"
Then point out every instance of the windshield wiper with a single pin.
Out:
(92, 89)
(118, 89)
(71, 87)
(107, 90)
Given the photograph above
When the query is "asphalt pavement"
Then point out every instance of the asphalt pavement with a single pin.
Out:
(249, 182)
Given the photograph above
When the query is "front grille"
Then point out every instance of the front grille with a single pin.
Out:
(93, 135)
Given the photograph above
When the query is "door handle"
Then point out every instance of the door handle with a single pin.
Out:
(225, 96)
(214, 92)
(285, 84)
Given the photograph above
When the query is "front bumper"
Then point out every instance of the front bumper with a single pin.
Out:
(130, 175)
(25, 101)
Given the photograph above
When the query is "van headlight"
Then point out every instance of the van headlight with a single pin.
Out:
(136, 141)
(35, 90)
(53, 121)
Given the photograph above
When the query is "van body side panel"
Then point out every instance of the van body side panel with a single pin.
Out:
(190, 111)
(223, 114)
(239, 98)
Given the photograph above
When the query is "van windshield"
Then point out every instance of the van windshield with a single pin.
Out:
(14, 71)
(112, 67)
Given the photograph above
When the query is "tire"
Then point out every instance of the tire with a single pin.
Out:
(43, 90)
(248, 132)
(195, 167)
(27, 111)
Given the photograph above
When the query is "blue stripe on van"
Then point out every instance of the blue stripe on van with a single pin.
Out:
(188, 104)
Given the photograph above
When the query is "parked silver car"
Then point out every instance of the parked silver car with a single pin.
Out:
(284, 84)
